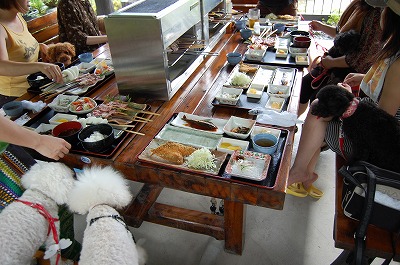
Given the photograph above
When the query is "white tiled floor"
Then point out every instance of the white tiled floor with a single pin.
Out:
(299, 234)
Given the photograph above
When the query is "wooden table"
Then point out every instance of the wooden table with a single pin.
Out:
(195, 97)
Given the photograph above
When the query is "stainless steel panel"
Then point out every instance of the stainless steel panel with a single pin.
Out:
(139, 36)
(208, 5)
(137, 55)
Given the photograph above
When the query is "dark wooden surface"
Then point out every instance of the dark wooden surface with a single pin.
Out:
(378, 243)
(195, 97)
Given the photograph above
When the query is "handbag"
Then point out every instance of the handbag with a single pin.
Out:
(370, 195)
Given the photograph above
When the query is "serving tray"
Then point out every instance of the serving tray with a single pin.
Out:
(146, 155)
(47, 113)
(274, 164)
(247, 103)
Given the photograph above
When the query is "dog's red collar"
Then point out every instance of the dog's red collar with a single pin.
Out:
(48, 217)
(351, 109)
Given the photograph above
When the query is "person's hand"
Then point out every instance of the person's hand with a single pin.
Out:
(316, 25)
(52, 71)
(327, 62)
(345, 86)
(353, 79)
(53, 147)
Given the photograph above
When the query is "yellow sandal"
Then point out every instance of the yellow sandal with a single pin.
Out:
(297, 189)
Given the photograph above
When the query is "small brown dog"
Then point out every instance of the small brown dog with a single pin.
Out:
(62, 52)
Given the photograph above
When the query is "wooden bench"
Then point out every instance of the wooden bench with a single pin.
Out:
(378, 243)
(45, 28)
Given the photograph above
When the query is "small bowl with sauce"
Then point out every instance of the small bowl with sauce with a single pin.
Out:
(68, 131)
(13, 108)
(265, 143)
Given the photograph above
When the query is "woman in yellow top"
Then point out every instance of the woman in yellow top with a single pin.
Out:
(17, 44)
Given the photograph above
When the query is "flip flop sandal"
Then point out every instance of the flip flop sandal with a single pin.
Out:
(296, 189)
(314, 192)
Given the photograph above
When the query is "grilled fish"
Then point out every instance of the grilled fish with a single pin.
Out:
(200, 124)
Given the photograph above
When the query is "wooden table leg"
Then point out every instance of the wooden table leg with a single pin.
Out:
(140, 206)
(234, 219)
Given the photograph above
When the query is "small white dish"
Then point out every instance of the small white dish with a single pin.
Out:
(275, 103)
(260, 129)
(86, 67)
(295, 50)
(256, 52)
(239, 127)
(45, 128)
(229, 95)
(281, 52)
(254, 93)
(302, 59)
(61, 103)
(248, 165)
(229, 145)
(61, 117)
(278, 91)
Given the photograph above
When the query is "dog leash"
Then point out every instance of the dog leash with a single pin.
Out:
(49, 218)
(349, 111)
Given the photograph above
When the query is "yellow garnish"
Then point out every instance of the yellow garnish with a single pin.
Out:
(234, 147)
(62, 120)
(225, 145)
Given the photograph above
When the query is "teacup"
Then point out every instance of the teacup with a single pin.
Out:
(234, 58)
(240, 24)
(246, 33)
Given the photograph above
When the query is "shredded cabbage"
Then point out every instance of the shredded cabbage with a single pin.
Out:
(201, 159)
(240, 79)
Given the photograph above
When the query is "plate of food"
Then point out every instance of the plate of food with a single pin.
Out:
(82, 105)
(199, 123)
(195, 138)
(240, 77)
(183, 156)
(248, 165)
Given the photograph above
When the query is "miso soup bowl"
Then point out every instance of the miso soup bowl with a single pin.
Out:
(265, 143)
(68, 131)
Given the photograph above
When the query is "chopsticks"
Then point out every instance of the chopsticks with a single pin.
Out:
(128, 131)
(271, 33)
(125, 130)
(265, 31)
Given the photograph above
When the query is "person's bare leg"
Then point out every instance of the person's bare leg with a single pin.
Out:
(311, 139)
(302, 109)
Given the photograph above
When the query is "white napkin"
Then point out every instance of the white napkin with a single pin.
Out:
(34, 106)
(283, 119)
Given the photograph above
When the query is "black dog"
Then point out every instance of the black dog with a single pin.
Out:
(374, 134)
(343, 44)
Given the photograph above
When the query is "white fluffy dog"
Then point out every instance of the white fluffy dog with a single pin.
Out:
(106, 239)
(23, 229)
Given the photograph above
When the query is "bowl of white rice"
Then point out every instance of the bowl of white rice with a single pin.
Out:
(97, 138)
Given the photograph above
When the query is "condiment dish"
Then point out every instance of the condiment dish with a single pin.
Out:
(239, 127)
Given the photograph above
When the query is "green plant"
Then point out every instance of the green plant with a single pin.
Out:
(50, 3)
(39, 6)
(333, 18)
